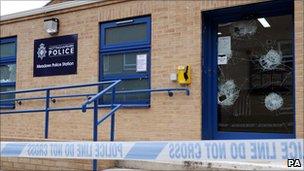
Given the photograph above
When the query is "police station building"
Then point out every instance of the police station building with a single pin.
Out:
(149, 71)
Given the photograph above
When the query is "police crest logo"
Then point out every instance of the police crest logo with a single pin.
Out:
(41, 51)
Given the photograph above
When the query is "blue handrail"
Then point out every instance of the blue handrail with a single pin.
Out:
(90, 94)
(47, 98)
(57, 87)
(109, 114)
(94, 99)
(97, 96)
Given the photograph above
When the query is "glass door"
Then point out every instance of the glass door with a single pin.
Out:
(255, 71)
(250, 73)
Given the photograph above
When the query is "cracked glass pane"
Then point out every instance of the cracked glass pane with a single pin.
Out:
(7, 73)
(255, 70)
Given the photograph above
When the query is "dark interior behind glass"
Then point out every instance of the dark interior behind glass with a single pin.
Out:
(255, 71)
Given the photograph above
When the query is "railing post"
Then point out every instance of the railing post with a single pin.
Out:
(95, 130)
(47, 105)
(113, 116)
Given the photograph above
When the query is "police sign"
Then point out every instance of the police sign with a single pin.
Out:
(55, 56)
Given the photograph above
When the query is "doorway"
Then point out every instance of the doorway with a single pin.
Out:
(248, 72)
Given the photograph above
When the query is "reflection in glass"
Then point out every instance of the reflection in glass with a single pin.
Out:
(136, 84)
(124, 34)
(7, 49)
(255, 88)
(7, 96)
(121, 63)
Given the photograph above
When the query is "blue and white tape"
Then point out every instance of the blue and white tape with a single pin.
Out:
(241, 150)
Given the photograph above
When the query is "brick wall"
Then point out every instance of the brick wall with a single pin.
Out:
(177, 22)
(299, 66)
(45, 164)
(176, 40)
(9, 163)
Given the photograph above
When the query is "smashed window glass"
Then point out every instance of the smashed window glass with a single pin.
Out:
(255, 69)
(227, 93)
(243, 29)
(271, 60)
(8, 73)
(273, 101)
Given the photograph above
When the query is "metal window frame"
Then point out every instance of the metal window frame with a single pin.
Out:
(209, 64)
(128, 47)
(8, 60)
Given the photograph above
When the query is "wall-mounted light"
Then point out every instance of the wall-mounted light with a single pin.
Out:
(264, 22)
(51, 25)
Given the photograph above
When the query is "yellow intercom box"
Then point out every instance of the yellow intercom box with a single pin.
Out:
(184, 75)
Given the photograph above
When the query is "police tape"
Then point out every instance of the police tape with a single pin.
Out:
(246, 150)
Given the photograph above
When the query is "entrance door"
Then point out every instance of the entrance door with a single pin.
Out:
(248, 84)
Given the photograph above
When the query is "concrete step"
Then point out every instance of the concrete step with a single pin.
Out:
(150, 165)
(198, 165)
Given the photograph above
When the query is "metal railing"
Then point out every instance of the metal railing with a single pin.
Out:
(92, 98)
(47, 109)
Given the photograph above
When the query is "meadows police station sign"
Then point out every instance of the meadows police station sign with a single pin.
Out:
(55, 56)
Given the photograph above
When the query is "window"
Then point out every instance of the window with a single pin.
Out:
(7, 69)
(260, 66)
(125, 55)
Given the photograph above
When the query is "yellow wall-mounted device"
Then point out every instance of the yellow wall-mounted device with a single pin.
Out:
(184, 75)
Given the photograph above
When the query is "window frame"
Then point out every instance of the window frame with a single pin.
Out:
(8, 60)
(127, 47)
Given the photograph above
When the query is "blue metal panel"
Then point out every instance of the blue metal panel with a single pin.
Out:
(8, 84)
(209, 63)
(8, 39)
(256, 10)
(126, 77)
(126, 48)
(250, 135)
(7, 60)
(293, 74)
(209, 78)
